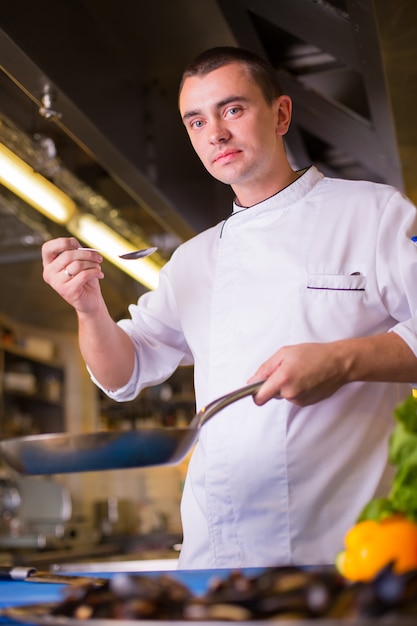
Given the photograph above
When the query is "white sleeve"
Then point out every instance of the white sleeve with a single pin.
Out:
(158, 339)
(125, 393)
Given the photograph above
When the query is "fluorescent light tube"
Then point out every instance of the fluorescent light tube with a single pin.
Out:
(33, 188)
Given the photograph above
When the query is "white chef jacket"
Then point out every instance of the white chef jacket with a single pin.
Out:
(322, 260)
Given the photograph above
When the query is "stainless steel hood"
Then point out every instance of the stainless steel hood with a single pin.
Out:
(110, 72)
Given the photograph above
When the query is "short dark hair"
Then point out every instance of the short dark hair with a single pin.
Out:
(262, 72)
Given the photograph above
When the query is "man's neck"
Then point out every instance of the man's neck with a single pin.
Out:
(252, 195)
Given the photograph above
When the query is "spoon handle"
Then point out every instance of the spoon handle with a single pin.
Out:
(129, 256)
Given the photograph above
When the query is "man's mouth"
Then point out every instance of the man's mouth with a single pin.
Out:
(225, 156)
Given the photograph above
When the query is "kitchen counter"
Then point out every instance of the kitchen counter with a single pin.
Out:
(14, 593)
(149, 562)
(44, 558)
(156, 545)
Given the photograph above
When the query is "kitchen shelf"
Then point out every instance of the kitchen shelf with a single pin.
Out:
(31, 393)
(171, 403)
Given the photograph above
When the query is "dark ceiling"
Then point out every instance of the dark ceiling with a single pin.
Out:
(111, 73)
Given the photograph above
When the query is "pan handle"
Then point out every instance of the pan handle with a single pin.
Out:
(16, 572)
(217, 405)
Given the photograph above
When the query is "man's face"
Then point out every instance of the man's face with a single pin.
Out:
(236, 134)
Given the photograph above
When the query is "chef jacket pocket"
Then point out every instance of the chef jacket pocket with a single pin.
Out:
(335, 304)
(339, 282)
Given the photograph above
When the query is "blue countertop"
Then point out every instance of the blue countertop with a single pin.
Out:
(16, 593)
(19, 593)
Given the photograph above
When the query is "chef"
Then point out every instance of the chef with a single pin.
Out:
(310, 285)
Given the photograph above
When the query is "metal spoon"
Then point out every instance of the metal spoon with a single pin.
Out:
(137, 254)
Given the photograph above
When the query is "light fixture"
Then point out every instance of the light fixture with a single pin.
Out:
(33, 188)
(98, 235)
(45, 197)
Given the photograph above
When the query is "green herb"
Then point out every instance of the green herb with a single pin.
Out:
(377, 509)
(406, 414)
(403, 454)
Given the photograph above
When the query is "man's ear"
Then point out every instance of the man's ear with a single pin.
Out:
(283, 106)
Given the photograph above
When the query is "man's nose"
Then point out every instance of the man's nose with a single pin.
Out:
(219, 132)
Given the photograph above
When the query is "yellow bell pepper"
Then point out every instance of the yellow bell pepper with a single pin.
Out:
(371, 545)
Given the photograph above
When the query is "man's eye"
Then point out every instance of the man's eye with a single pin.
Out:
(197, 124)
(234, 111)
